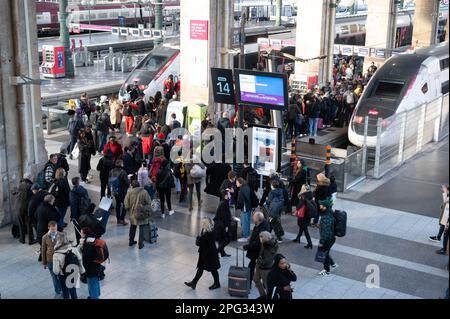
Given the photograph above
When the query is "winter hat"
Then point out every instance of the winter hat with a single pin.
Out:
(161, 136)
(35, 187)
(326, 202)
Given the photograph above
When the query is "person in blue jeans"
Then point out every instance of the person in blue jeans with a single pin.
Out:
(313, 115)
(47, 251)
(244, 202)
(94, 270)
(68, 266)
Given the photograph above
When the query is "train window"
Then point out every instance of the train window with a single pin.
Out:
(153, 63)
(425, 88)
(444, 64)
(390, 90)
(445, 87)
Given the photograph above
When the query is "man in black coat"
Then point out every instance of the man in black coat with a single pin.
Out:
(254, 245)
(88, 220)
(24, 195)
(45, 213)
(222, 222)
(36, 200)
(216, 173)
(79, 202)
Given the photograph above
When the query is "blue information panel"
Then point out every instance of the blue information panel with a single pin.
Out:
(262, 89)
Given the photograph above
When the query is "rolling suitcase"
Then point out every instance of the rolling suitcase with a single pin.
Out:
(239, 279)
(151, 232)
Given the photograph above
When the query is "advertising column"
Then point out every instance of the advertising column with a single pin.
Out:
(195, 50)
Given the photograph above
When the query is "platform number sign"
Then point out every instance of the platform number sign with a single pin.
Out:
(223, 86)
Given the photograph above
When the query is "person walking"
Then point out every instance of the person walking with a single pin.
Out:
(194, 173)
(322, 192)
(68, 266)
(244, 203)
(444, 211)
(103, 126)
(94, 270)
(48, 249)
(253, 247)
(74, 126)
(24, 195)
(274, 204)
(61, 190)
(303, 213)
(115, 107)
(104, 166)
(264, 263)
(137, 201)
(327, 237)
(79, 202)
(114, 147)
(164, 184)
(279, 279)
(208, 258)
(300, 178)
(222, 222)
(84, 160)
(119, 183)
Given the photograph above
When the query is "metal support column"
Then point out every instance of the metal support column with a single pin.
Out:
(65, 38)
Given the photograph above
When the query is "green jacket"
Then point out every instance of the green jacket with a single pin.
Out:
(326, 226)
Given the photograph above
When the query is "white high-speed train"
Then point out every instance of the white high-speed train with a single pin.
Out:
(404, 82)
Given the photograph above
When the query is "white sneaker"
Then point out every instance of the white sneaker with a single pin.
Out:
(323, 273)
(242, 240)
(171, 212)
(334, 266)
(163, 216)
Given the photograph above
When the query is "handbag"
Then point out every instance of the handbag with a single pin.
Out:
(141, 212)
(76, 151)
(198, 172)
(300, 213)
(321, 255)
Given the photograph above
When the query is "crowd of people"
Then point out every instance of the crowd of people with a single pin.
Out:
(136, 171)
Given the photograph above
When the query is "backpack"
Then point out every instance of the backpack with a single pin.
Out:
(154, 171)
(254, 199)
(167, 181)
(253, 180)
(101, 126)
(114, 184)
(178, 170)
(69, 259)
(340, 223)
(312, 208)
(101, 251)
(73, 126)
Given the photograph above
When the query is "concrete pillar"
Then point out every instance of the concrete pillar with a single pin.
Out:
(21, 137)
(446, 29)
(426, 19)
(315, 37)
(204, 41)
(380, 28)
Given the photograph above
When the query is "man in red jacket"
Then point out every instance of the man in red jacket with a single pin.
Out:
(114, 147)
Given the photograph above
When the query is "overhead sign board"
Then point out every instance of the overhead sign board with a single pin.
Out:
(223, 86)
(262, 89)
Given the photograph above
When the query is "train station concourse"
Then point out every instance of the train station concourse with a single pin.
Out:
(239, 151)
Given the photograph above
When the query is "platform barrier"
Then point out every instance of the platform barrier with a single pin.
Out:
(405, 134)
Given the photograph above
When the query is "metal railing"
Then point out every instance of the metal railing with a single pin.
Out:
(404, 135)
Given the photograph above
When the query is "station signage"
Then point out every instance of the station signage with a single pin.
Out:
(223, 86)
